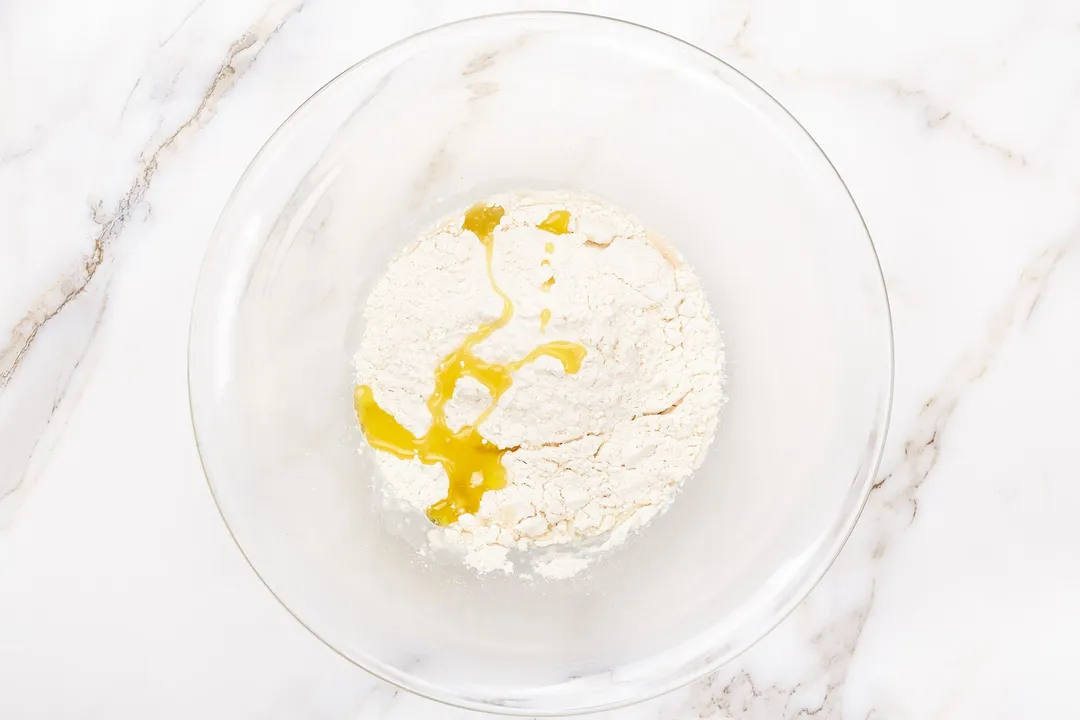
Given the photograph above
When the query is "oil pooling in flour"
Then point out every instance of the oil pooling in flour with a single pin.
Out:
(557, 223)
(473, 465)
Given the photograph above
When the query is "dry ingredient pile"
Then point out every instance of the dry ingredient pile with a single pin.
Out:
(537, 376)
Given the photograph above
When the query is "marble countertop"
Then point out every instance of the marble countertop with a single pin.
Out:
(126, 124)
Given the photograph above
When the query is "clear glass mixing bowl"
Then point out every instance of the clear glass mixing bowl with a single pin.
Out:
(706, 159)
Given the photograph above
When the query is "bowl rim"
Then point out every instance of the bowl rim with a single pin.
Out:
(828, 553)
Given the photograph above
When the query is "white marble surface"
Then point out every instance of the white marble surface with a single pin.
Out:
(126, 123)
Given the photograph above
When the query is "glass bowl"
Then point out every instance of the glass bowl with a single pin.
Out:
(706, 159)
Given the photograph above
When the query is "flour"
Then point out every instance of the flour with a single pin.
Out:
(592, 456)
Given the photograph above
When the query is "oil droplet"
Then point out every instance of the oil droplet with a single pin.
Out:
(557, 222)
(545, 262)
(473, 465)
(545, 318)
(549, 247)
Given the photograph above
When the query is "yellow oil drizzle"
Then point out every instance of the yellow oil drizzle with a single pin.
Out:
(473, 465)
(545, 318)
(557, 223)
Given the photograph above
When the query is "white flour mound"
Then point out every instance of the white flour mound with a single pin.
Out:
(600, 452)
